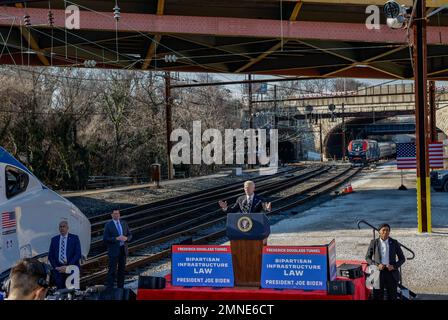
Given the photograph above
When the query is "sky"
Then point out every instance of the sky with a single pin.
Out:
(237, 89)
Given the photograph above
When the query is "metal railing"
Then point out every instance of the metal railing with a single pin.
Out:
(95, 182)
(400, 285)
(374, 229)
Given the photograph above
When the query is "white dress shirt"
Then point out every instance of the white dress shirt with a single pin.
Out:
(64, 256)
(384, 249)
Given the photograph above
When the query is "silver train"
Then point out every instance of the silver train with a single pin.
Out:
(30, 214)
(366, 151)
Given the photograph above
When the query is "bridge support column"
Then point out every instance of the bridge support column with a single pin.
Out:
(421, 119)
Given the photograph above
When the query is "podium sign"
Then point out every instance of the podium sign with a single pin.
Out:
(202, 266)
(252, 226)
(247, 234)
(298, 267)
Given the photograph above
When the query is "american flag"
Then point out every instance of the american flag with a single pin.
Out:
(406, 153)
(436, 155)
(406, 156)
(8, 220)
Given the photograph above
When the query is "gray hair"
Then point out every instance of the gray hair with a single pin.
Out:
(63, 222)
(249, 182)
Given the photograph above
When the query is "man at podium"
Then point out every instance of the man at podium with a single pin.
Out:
(248, 203)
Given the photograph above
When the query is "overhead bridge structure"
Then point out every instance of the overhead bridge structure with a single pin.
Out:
(309, 38)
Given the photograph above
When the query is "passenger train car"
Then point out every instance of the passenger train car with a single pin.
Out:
(30, 214)
(366, 151)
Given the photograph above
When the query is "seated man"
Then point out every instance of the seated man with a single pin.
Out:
(248, 203)
(383, 253)
(28, 280)
(65, 250)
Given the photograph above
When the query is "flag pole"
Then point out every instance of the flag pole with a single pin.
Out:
(402, 187)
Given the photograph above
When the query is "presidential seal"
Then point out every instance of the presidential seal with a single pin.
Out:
(244, 224)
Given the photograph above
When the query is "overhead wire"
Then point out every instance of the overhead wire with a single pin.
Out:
(133, 62)
(144, 35)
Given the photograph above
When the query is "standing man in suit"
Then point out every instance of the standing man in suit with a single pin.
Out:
(116, 236)
(248, 203)
(65, 250)
(383, 253)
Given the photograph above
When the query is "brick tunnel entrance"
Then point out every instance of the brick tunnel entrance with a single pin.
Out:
(286, 151)
(362, 128)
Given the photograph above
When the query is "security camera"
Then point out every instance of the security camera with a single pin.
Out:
(392, 9)
(397, 15)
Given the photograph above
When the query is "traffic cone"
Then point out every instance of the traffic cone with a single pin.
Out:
(349, 188)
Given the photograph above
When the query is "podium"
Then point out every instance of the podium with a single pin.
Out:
(248, 234)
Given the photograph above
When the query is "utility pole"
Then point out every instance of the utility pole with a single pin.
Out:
(343, 121)
(320, 139)
(432, 111)
(275, 106)
(421, 118)
(168, 116)
(251, 116)
(343, 132)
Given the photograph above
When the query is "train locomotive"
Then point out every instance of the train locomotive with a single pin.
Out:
(367, 151)
(30, 214)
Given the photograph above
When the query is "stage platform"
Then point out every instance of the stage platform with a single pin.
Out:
(209, 293)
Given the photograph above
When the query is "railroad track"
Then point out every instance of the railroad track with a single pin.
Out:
(158, 221)
(165, 204)
(317, 185)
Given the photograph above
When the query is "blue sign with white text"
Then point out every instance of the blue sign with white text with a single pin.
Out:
(202, 266)
(287, 267)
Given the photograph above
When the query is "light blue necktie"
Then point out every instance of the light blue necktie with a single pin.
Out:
(120, 231)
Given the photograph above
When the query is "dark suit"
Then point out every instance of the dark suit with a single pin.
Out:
(388, 279)
(117, 253)
(256, 205)
(73, 255)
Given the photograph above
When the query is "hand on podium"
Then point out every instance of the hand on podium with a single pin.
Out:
(223, 204)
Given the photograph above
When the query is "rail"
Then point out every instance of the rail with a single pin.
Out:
(99, 182)
(95, 182)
